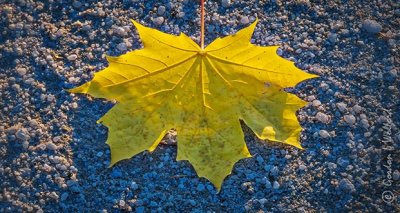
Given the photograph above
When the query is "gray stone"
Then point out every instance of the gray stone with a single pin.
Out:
(72, 57)
(371, 26)
(346, 186)
(22, 134)
(226, 3)
(161, 10)
(77, 4)
(122, 47)
(274, 171)
(51, 146)
(276, 185)
(350, 119)
(244, 20)
(64, 196)
(134, 186)
(332, 37)
(322, 117)
(324, 134)
(341, 106)
(158, 20)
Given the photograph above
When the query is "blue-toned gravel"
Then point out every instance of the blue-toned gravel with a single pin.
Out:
(53, 156)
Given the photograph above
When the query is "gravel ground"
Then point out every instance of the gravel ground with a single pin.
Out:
(54, 157)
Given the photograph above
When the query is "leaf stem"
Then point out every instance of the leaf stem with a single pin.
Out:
(202, 25)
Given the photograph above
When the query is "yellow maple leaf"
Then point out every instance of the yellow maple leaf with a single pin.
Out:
(202, 93)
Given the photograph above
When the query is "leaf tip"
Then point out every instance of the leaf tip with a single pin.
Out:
(135, 23)
(80, 89)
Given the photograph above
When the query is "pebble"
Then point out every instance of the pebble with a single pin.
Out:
(322, 117)
(54, 195)
(122, 47)
(158, 20)
(350, 119)
(371, 26)
(226, 3)
(201, 187)
(324, 134)
(120, 31)
(21, 71)
(396, 175)
(121, 203)
(153, 204)
(244, 20)
(332, 37)
(64, 196)
(22, 134)
(116, 173)
(302, 167)
(346, 186)
(341, 106)
(267, 183)
(276, 185)
(260, 159)
(134, 185)
(77, 4)
(316, 103)
(56, 139)
(357, 108)
(51, 146)
(72, 57)
(342, 162)
(161, 10)
(274, 171)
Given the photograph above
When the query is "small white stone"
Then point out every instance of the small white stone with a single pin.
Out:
(324, 134)
(357, 108)
(122, 47)
(276, 185)
(322, 117)
(302, 167)
(158, 20)
(181, 14)
(51, 146)
(25, 144)
(120, 31)
(56, 139)
(72, 57)
(350, 119)
(244, 20)
(341, 106)
(21, 71)
(316, 103)
(54, 195)
(364, 123)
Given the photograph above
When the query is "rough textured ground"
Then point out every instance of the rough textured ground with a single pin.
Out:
(54, 157)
